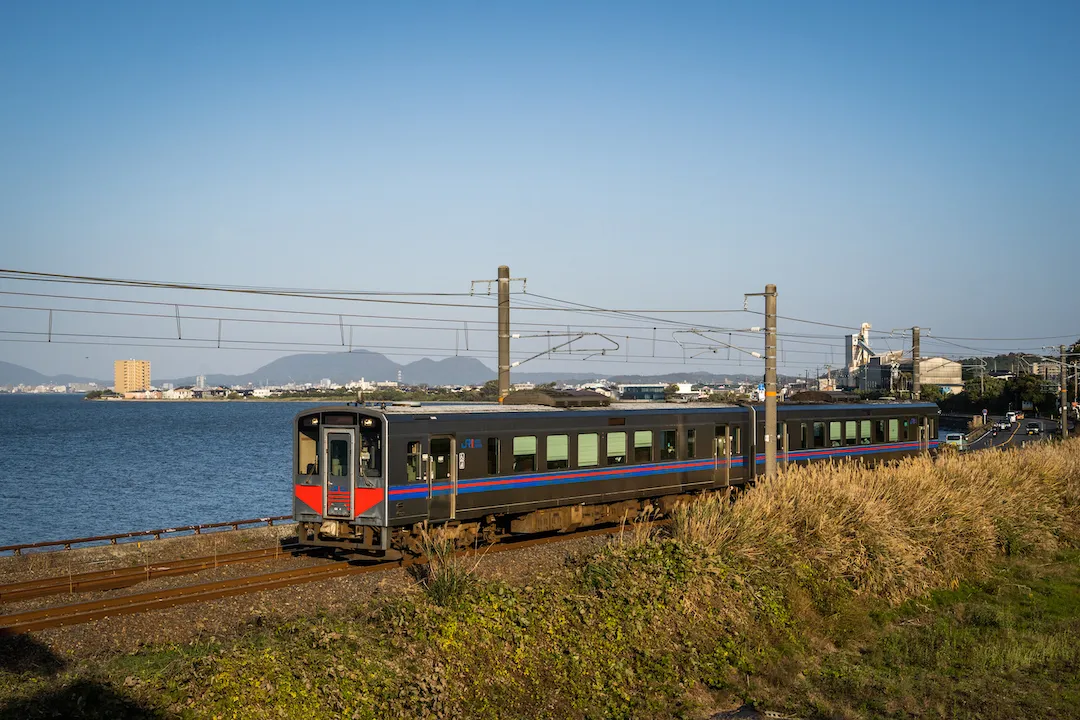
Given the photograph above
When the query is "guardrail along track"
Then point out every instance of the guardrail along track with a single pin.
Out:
(153, 600)
(135, 535)
(122, 577)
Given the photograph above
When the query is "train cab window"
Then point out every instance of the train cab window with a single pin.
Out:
(894, 430)
(849, 432)
(588, 450)
(524, 453)
(691, 444)
(616, 448)
(669, 445)
(307, 459)
(412, 462)
(643, 446)
(835, 438)
(864, 432)
(493, 456)
(371, 453)
(819, 434)
(558, 452)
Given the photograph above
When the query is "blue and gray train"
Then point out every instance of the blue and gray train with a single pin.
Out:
(367, 478)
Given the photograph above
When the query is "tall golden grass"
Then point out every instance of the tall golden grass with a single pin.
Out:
(899, 530)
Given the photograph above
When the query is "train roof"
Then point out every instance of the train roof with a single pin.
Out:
(427, 410)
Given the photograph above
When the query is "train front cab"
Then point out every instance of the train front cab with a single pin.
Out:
(339, 483)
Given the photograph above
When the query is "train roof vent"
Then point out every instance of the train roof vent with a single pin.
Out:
(557, 398)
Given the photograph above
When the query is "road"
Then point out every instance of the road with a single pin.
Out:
(1016, 436)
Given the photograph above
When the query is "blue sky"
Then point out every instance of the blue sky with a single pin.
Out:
(892, 163)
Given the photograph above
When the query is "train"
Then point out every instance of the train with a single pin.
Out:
(368, 477)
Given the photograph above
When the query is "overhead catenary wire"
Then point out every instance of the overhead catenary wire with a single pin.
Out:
(650, 321)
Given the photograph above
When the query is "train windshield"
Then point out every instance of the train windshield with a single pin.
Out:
(371, 451)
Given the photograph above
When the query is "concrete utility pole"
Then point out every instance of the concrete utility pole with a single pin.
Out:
(916, 383)
(1062, 379)
(770, 381)
(504, 331)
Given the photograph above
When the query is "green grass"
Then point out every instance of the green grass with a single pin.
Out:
(1005, 647)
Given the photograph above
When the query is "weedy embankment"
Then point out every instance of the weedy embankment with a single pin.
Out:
(737, 601)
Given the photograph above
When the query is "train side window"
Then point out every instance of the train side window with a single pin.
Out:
(691, 444)
(588, 450)
(781, 438)
(558, 452)
(894, 430)
(493, 456)
(412, 462)
(524, 453)
(835, 439)
(802, 436)
(864, 432)
(849, 432)
(669, 445)
(643, 446)
(819, 434)
(616, 448)
(736, 441)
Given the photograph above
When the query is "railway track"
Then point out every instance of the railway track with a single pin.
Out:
(77, 613)
(123, 577)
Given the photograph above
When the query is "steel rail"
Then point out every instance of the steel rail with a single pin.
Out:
(114, 539)
(121, 577)
(16, 623)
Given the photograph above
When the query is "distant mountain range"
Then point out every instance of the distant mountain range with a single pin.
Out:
(11, 374)
(344, 367)
(347, 366)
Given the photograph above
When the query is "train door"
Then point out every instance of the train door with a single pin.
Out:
(339, 472)
(442, 478)
(722, 457)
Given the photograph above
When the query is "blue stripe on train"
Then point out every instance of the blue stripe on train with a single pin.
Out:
(417, 491)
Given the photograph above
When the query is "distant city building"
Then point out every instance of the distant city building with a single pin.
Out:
(1046, 370)
(646, 391)
(131, 376)
(200, 381)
